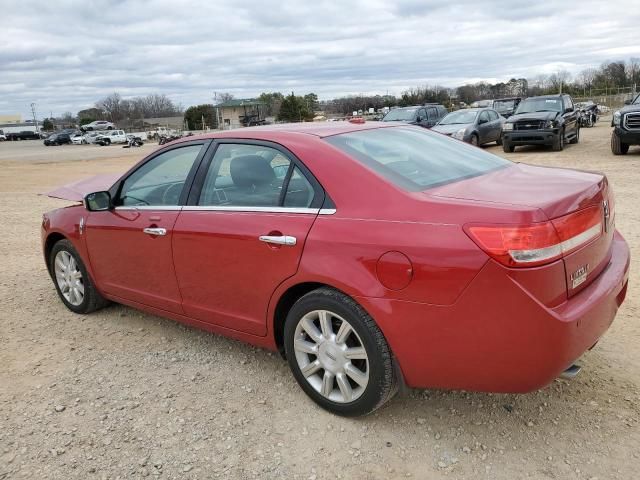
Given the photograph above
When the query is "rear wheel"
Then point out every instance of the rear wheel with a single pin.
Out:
(558, 142)
(73, 284)
(338, 354)
(507, 147)
(617, 147)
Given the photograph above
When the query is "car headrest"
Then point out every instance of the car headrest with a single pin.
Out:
(251, 171)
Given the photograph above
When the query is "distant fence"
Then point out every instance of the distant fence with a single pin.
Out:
(611, 97)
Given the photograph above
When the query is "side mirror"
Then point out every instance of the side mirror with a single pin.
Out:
(627, 102)
(482, 120)
(569, 110)
(97, 201)
(419, 119)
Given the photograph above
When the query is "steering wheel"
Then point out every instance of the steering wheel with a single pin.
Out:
(172, 194)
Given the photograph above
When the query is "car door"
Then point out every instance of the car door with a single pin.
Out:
(130, 245)
(432, 117)
(421, 118)
(570, 116)
(495, 124)
(243, 233)
(484, 127)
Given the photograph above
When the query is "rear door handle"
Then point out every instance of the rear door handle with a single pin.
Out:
(155, 231)
(278, 240)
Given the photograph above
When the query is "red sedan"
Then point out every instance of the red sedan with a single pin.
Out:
(368, 255)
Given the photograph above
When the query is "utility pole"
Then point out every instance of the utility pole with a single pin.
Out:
(35, 120)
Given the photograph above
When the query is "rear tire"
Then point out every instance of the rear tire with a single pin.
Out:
(617, 147)
(507, 147)
(347, 363)
(71, 279)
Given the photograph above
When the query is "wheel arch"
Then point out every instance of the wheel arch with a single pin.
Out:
(51, 240)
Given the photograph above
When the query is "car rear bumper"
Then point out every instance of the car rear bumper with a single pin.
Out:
(497, 337)
(630, 138)
(530, 137)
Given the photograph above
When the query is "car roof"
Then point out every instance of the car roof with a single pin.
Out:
(317, 129)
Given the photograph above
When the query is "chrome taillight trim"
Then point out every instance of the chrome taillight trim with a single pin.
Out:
(546, 253)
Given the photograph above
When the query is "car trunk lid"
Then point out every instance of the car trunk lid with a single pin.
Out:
(560, 194)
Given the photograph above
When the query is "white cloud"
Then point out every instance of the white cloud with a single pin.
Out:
(67, 55)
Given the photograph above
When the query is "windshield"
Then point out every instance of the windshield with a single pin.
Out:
(414, 158)
(400, 115)
(504, 106)
(459, 117)
(531, 105)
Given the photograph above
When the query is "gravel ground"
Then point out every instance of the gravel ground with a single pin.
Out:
(122, 394)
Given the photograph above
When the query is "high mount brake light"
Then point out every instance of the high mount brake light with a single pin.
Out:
(538, 243)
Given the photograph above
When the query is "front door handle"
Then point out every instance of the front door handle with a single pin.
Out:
(155, 231)
(278, 240)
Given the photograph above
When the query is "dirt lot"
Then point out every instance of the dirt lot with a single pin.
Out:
(123, 394)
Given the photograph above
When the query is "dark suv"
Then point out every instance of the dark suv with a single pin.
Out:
(546, 120)
(426, 115)
(626, 123)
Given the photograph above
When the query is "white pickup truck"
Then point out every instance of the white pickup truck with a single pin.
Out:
(111, 136)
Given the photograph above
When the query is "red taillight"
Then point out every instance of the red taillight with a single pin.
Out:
(539, 243)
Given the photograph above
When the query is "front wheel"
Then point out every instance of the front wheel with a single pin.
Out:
(558, 142)
(576, 139)
(338, 355)
(617, 147)
(507, 147)
(474, 140)
(71, 279)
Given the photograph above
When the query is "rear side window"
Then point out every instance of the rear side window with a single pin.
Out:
(416, 159)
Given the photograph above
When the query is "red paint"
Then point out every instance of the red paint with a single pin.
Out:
(453, 316)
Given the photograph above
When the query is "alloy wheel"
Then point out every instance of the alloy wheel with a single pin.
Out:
(331, 356)
(69, 278)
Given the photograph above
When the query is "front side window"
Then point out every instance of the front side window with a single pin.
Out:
(493, 115)
(484, 117)
(414, 158)
(160, 181)
(254, 176)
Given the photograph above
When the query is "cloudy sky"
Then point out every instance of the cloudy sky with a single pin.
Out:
(66, 55)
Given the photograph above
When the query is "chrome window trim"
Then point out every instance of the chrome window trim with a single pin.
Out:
(216, 208)
(149, 207)
(213, 208)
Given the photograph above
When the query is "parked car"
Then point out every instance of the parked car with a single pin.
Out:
(545, 120)
(626, 127)
(78, 138)
(98, 125)
(484, 275)
(476, 126)
(23, 135)
(425, 116)
(2, 137)
(113, 136)
(506, 106)
(57, 139)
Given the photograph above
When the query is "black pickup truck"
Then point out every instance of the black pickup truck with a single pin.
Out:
(24, 135)
(545, 120)
(626, 127)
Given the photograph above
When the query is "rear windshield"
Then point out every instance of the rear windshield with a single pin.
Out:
(414, 158)
(400, 115)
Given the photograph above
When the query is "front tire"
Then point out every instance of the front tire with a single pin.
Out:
(474, 140)
(617, 147)
(558, 142)
(507, 147)
(338, 355)
(71, 279)
(576, 139)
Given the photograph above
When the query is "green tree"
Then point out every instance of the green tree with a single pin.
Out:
(47, 125)
(294, 109)
(193, 116)
(311, 101)
(272, 100)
